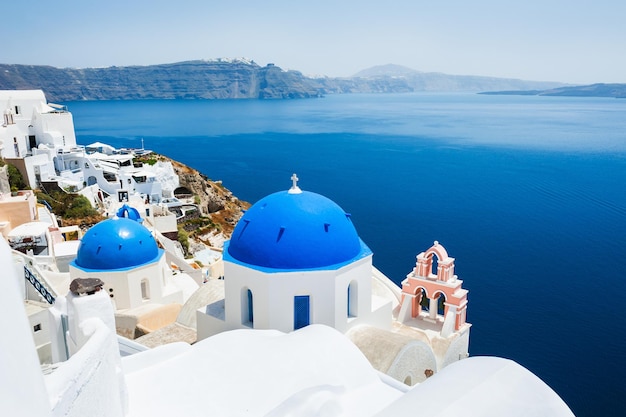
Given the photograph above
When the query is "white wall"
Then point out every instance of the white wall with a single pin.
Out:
(273, 296)
(126, 284)
(44, 166)
(56, 129)
(94, 372)
(51, 128)
(23, 391)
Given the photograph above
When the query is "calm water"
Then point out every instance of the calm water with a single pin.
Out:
(527, 193)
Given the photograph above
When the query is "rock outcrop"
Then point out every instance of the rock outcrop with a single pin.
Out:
(214, 200)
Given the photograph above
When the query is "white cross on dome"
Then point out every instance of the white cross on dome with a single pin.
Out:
(294, 187)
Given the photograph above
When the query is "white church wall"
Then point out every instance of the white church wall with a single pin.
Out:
(357, 274)
(136, 293)
(114, 285)
(273, 296)
(318, 285)
(150, 284)
(125, 286)
(233, 285)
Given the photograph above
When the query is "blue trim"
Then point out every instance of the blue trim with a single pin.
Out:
(45, 293)
(156, 259)
(363, 253)
(116, 244)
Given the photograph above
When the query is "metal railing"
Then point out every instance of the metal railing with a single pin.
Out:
(34, 281)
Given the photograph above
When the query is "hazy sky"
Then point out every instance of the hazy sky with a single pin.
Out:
(572, 41)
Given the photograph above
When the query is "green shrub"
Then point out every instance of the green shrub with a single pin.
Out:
(183, 238)
(16, 180)
(71, 206)
(79, 206)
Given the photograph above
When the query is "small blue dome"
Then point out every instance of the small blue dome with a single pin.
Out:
(117, 243)
(288, 231)
(129, 213)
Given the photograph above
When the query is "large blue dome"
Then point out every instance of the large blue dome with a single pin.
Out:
(117, 243)
(292, 231)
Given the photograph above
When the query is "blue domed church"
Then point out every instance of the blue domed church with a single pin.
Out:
(125, 256)
(294, 259)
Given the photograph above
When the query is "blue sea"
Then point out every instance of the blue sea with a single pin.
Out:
(528, 194)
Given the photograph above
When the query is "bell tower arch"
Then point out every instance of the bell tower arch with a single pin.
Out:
(433, 277)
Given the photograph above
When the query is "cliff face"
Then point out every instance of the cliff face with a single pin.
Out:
(183, 80)
(233, 79)
(215, 201)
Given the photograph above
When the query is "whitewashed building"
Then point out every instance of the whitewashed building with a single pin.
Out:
(137, 278)
(31, 132)
(295, 259)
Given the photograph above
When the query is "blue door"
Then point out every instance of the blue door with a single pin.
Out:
(301, 311)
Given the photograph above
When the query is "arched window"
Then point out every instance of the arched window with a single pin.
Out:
(247, 307)
(145, 289)
(441, 307)
(250, 307)
(424, 301)
(434, 263)
(353, 299)
(301, 311)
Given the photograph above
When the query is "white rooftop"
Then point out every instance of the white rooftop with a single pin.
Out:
(29, 229)
(313, 371)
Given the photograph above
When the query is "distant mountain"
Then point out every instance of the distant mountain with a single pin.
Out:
(593, 90)
(389, 70)
(234, 79)
(437, 81)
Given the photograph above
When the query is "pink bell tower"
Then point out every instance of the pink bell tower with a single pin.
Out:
(422, 281)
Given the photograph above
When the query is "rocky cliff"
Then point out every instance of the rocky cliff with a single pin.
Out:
(233, 79)
(219, 208)
(183, 80)
(213, 199)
